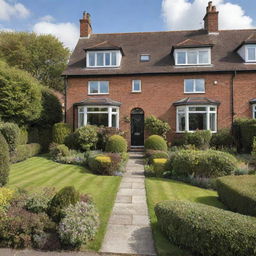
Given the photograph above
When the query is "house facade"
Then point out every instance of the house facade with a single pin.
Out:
(200, 79)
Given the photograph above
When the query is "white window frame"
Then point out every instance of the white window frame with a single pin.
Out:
(186, 51)
(110, 112)
(97, 93)
(194, 86)
(133, 83)
(118, 59)
(187, 112)
(254, 111)
(253, 46)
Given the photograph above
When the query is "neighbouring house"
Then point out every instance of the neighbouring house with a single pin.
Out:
(199, 79)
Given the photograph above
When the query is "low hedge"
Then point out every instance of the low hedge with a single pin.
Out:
(24, 152)
(4, 161)
(154, 154)
(159, 166)
(200, 138)
(155, 142)
(238, 193)
(207, 230)
(208, 164)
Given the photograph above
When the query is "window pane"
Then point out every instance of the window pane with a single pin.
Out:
(104, 87)
(181, 121)
(97, 119)
(192, 57)
(212, 109)
(189, 85)
(107, 59)
(114, 110)
(136, 85)
(197, 121)
(97, 109)
(100, 56)
(197, 108)
(91, 59)
(212, 122)
(93, 87)
(81, 119)
(181, 58)
(144, 57)
(114, 55)
(114, 121)
(203, 57)
(199, 85)
(251, 53)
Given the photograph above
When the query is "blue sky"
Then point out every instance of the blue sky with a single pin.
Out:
(120, 15)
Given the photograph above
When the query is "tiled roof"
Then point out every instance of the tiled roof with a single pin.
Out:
(196, 101)
(103, 46)
(98, 101)
(159, 45)
(188, 43)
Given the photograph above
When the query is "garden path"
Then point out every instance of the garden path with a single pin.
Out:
(129, 228)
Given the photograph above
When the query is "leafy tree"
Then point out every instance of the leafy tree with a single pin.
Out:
(43, 56)
(20, 95)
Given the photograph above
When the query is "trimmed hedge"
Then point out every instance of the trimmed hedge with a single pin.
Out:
(200, 138)
(207, 230)
(116, 144)
(59, 132)
(210, 163)
(238, 193)
(4, 161)
(153, 154)
(155, 142)
(23, 136)
(24, 152)
(159, 166)
(222, 139)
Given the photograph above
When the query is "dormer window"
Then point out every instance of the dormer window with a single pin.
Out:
(250, 53)
(100, 59)
(192, 56)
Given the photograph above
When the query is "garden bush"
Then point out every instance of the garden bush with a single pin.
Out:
(86, 137)
(6, 195)
(156, 126)
(207, 164)
(238, 193)
(71, 141)
(58, 151)
(200, 138)
(60, 132)
(207, 230)
(24, 152)
(155, 142)
(116, 144)
(80, 224)
(222, 139)
(153, 154)
(11, 132)
(4, 161)
(74, 157)
(159, 166)
(100, 164)
(23, 136)
(65, 197)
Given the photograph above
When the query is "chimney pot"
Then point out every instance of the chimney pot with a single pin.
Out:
(85, 25)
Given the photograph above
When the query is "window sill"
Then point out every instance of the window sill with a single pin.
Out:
(194, 92)
(194, 66)
(193, 131)
(136, 92)
(93, 94)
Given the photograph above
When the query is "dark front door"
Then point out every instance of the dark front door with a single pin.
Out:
(137, 127)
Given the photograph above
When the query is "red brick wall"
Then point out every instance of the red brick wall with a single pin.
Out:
(159, 93)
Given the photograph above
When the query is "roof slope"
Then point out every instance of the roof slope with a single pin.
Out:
(159, 45)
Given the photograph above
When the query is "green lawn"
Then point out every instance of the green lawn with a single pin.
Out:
(162, 189)
(39, 172)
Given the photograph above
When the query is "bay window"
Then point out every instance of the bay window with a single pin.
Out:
(191, 118)
(107, 116)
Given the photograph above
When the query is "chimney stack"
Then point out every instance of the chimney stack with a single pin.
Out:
(211, 19)
(85, 25)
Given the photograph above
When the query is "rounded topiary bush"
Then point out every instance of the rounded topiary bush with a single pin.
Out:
(59, 132)
(116, 144)
(4, 161)
(155, 142)
(65, 197)
(57, 151)
(80, 224)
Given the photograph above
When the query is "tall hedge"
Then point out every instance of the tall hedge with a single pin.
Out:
(207, 230)
(60, 132)
(4, 161)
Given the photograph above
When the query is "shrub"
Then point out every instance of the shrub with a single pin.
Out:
(11, 132)
(210, 163)
(45, 138)
(117, 163)
(222, 139)
(159, 166)
(57, 151)
(155, 142)
(254, 147)
(207, 230)
(4, 161)
(38, 201)
(100, 164)
(24, 152)
(33, 135)
(86, 137)
(60, 132)
(74, 157)
(65, 197)
(200, 138)
(80, 224)
(6, 195)
(156, 126)
(116, 144)
(23, 136)
(153, 154)
(71, 141)
(238, 193)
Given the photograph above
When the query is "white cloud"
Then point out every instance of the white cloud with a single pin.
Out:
(68, 33)
(183, 14)
(47, 18)
(9, 10)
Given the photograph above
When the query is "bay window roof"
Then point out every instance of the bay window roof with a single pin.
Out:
(98, 102)
(196, 101)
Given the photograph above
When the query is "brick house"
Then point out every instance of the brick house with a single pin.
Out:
(200, 79)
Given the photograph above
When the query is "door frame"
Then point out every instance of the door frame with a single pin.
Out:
(137, 111)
